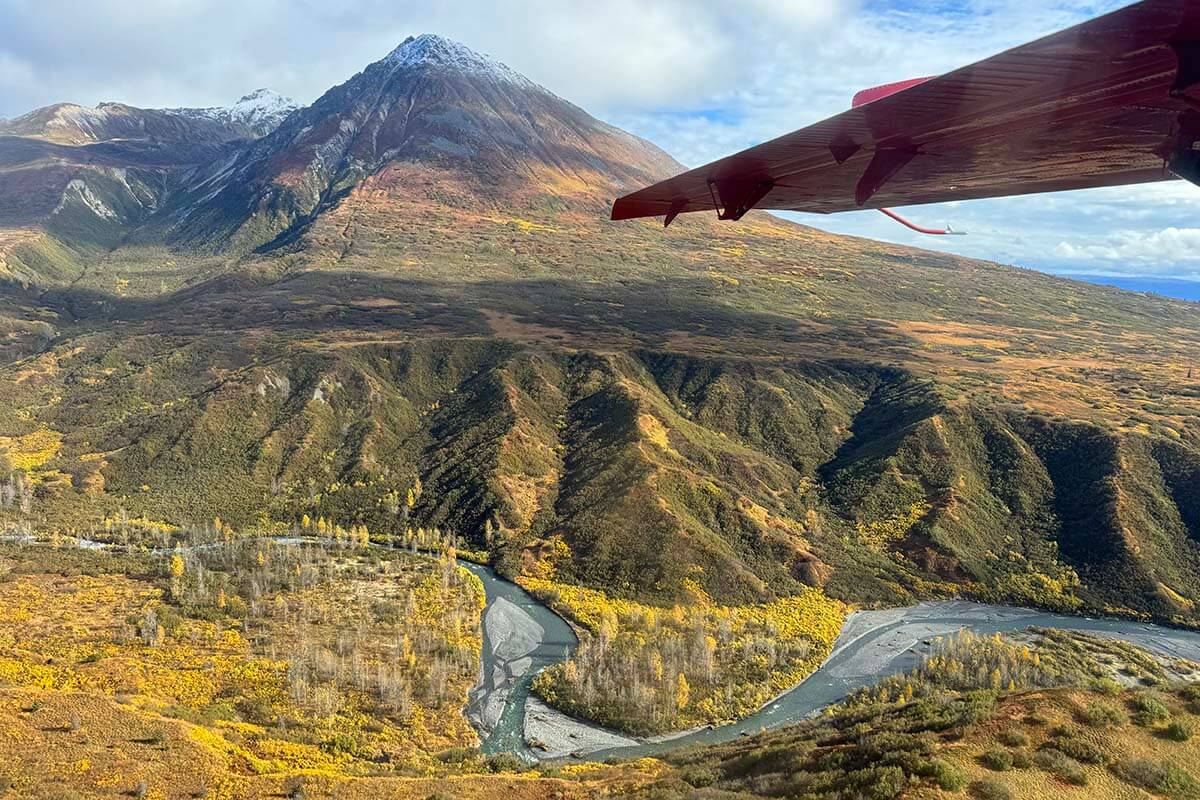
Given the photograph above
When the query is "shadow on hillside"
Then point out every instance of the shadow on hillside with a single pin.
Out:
(677, 312)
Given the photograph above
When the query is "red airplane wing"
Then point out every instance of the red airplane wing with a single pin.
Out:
(1112, 101)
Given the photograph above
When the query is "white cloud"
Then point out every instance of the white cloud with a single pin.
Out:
(617, 54)
(1139, 230)
(795, 82)
(1175, 246)
(14, 74)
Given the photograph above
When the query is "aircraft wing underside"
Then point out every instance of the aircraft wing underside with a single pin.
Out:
(1113, 101)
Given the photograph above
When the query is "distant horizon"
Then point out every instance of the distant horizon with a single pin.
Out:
(1175, 288)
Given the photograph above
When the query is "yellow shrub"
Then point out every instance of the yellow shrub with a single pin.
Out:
(32, 450)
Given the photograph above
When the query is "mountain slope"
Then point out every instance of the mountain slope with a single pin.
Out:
(412, 285)
(431, 119)
(70, 124)
(76, 182)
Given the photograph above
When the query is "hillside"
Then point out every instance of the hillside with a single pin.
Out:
(411, 285)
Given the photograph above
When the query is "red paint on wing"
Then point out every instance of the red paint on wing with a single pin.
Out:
(887, 90)
(1111, 102)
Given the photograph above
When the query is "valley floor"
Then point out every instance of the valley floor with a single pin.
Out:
(97, 702)
(874, 645)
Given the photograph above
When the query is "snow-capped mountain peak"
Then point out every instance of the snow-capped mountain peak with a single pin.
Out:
(262, 104)
(433, 50)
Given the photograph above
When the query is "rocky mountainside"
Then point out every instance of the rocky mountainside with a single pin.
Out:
(70, 124)
(77, 180)
(489, 134)
(412, 285)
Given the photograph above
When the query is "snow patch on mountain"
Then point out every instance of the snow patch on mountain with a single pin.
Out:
(79, 191)
(259, 112)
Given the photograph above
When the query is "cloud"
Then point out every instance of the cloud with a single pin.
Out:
(14, 74)
(795, 82)
(1179, 247)
(618, 54)
(1136, 230)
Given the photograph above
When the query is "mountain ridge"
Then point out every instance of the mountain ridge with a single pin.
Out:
(78, 181)
(256, 114)
(251, 116)
(432, 49)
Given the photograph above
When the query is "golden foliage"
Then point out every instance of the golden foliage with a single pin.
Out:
(33, 450)
(78, 634)
(886, 533)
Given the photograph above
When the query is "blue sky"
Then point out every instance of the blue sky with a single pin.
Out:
(702, 79)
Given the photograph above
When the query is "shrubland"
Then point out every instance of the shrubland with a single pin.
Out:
(827, 421)
(272, 656)
(958, 735)
(124, 670)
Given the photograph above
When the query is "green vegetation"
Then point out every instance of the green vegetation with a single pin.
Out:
(1178, 731)
(945, 775)
(991, 789)
(1149, 710)
(1103, 714)
(1013, 737)
(821, 423)
(997, 759)
(1061, 765)
(1161, 778)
